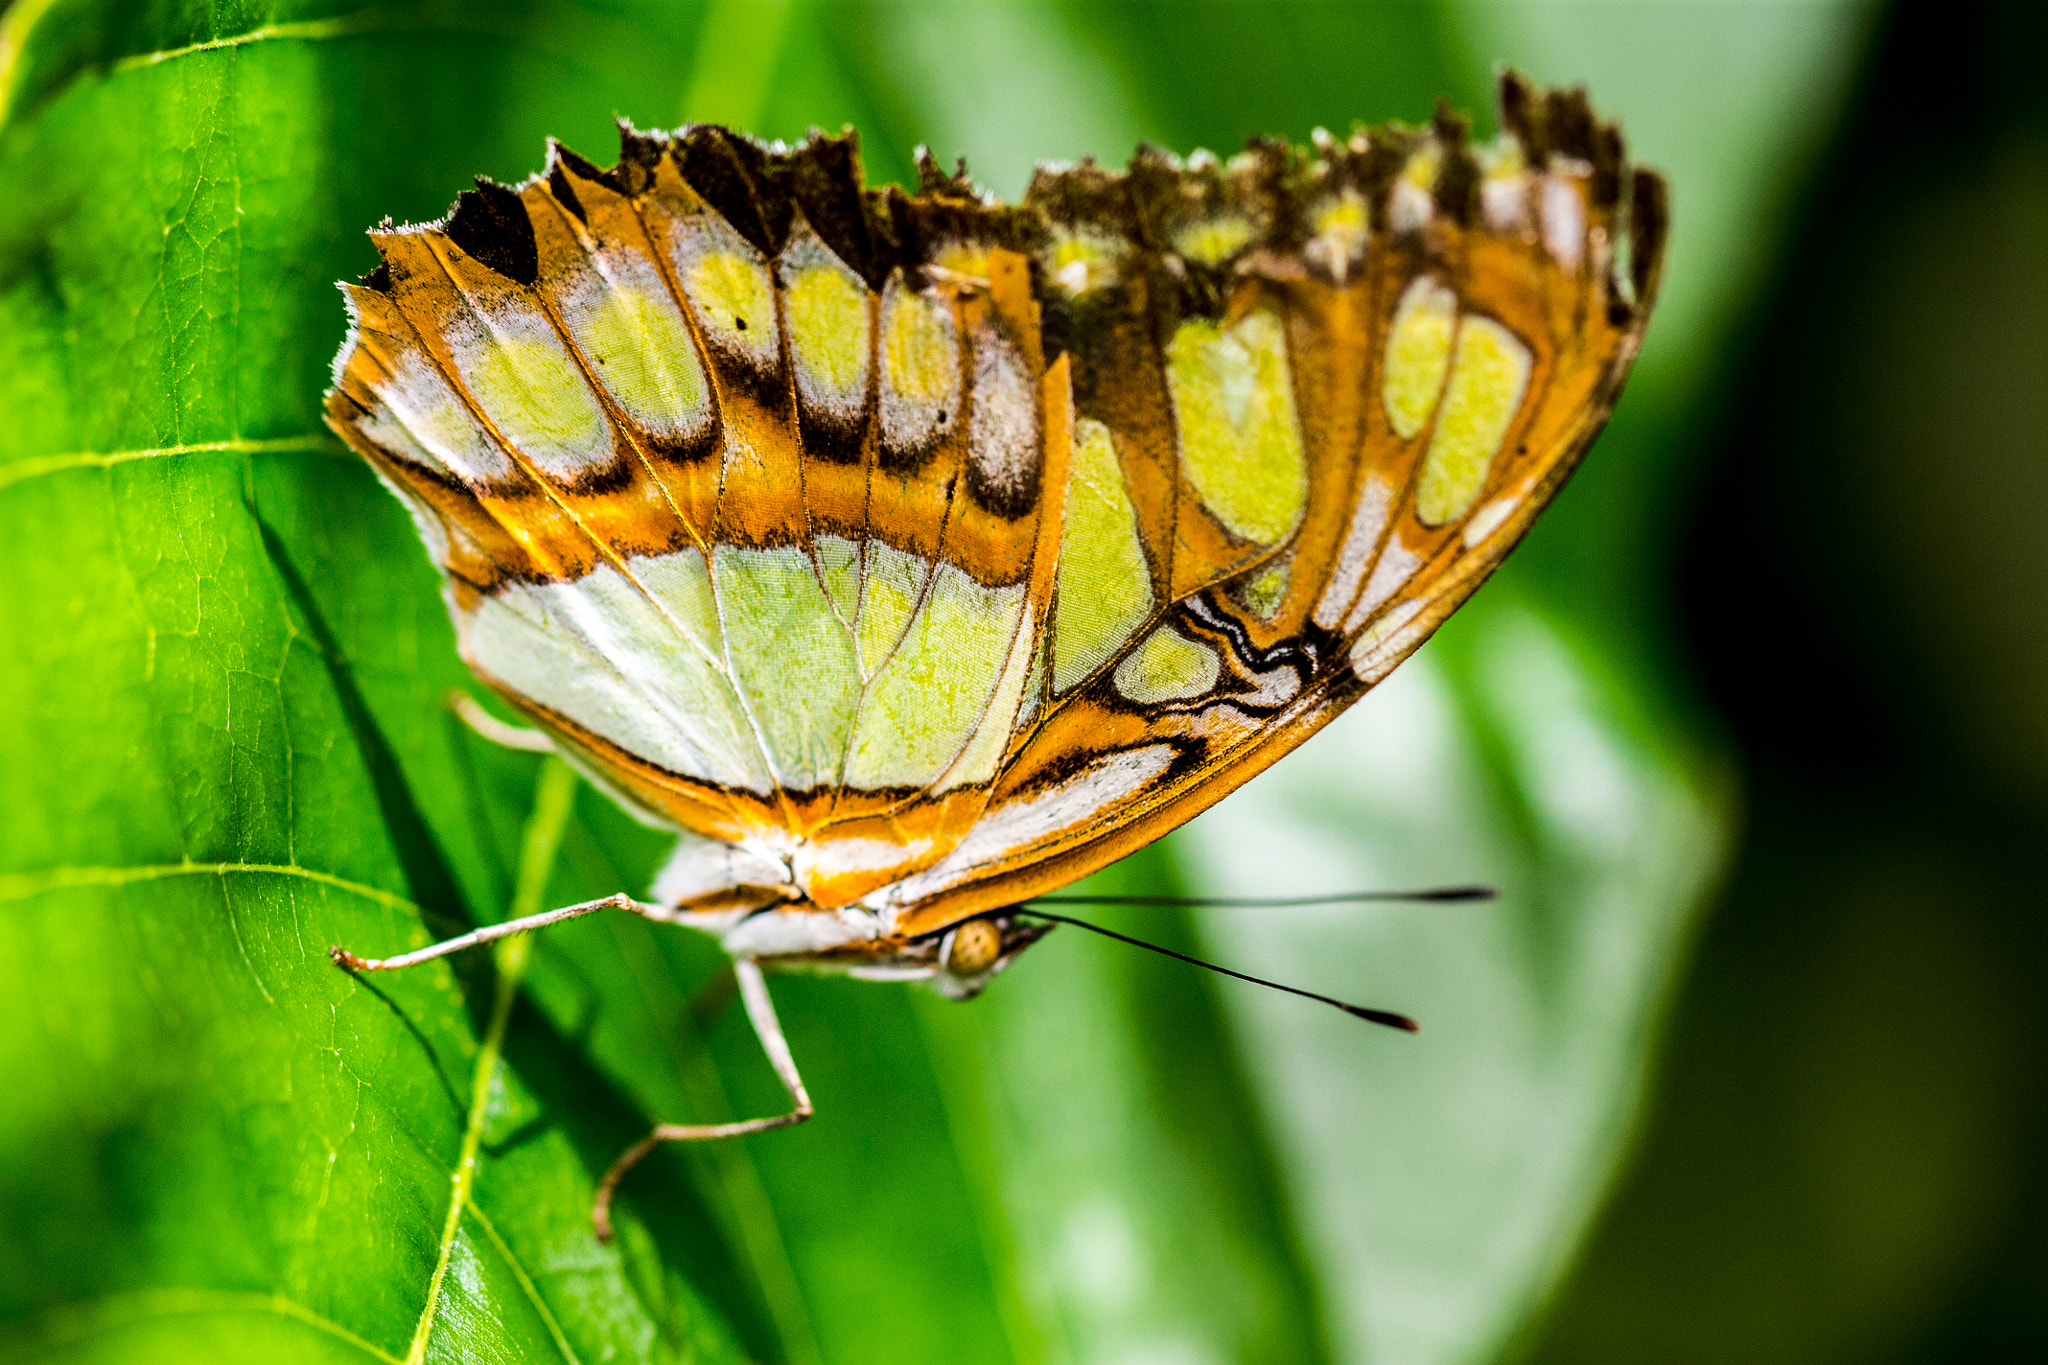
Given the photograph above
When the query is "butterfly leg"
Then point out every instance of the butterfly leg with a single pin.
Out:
(761, 1013)
(497, 731)
(490, 932)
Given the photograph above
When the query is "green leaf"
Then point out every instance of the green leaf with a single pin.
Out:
(225, 748)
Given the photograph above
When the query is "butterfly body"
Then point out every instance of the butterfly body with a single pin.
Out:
(916, 555)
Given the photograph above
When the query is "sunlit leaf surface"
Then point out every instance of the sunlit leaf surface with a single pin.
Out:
(224, 748)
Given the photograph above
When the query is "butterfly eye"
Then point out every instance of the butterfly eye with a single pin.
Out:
(975, 947)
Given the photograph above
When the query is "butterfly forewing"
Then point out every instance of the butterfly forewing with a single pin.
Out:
(939, 552)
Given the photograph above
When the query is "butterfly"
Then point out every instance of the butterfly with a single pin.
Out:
(914, 555)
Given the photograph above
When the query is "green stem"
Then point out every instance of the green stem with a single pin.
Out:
(553, 799)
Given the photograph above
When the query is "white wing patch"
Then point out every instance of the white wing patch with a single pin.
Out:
(1037, 818)
(749, 676)
(631, 666)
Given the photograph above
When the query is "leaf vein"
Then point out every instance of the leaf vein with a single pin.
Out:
(339, 26)
(526, 1283)
(35, 466)
(82, 1321)
(20, 886)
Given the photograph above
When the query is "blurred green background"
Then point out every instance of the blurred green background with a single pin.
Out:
(1745, 1064)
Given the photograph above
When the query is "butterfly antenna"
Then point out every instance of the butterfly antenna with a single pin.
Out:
(1386, 1017)
(1433, 893)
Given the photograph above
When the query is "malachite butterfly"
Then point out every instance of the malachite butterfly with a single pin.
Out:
(914, 555)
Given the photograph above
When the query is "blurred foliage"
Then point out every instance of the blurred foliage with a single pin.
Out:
(225, 748)
(1846, 1160)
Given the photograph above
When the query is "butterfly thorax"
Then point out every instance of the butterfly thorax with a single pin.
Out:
(874, 940)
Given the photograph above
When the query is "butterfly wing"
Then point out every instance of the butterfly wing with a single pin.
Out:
(925, 549)
(1317, 401)
(746, 483)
